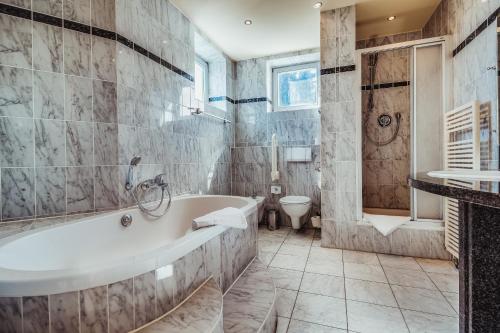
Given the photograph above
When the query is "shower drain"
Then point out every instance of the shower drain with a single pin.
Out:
(384, 120)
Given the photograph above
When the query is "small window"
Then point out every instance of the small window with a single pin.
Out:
(201, 80)
(296, 87)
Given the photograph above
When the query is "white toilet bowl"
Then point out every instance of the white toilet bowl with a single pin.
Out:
(296, 207)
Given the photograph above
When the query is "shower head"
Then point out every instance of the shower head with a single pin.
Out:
(136, 160)
(130, 177)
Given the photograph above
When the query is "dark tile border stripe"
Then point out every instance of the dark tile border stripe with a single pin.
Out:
(485, 24)
(217, 99)
(253, 100)
(386, 85)
(47, 19)
(94, 31)
(221, 99)
(77, 26)
(15, 11)
(103, 33)
(341, 69)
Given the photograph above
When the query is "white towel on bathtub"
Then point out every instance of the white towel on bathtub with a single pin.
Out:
(230, 217)
(386, 224)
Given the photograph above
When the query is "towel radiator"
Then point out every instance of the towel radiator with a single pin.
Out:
(462, 152)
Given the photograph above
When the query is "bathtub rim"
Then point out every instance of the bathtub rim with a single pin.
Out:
(21, 283)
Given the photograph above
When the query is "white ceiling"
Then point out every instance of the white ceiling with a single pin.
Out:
(289, 25)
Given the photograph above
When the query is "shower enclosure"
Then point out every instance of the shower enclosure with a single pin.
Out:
(401, 124)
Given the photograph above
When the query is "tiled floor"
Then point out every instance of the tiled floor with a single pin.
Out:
(330, 290)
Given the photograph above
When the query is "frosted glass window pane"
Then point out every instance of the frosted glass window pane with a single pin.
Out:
(298, 88)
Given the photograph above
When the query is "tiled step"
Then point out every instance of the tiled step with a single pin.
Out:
(250, 304)
(200, 313)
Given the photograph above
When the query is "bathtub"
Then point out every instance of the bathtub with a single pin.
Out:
(150, 258)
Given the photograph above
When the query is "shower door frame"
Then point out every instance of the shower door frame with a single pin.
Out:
(447, 103)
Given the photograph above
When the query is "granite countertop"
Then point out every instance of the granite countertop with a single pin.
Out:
(484, 193)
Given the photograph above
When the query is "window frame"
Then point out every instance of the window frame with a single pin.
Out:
(204, 65)
(291, 68)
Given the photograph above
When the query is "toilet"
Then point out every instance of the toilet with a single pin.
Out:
(296, 207)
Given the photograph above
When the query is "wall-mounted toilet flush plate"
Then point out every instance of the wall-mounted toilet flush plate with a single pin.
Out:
(276, 189)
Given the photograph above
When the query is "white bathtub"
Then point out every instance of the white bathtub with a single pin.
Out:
(98, 251)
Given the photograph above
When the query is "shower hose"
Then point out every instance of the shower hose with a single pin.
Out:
(394, 134)
(143, 187)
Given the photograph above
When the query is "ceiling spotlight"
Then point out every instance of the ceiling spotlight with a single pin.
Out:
(391, 18)
(318, 4)
(248, 22)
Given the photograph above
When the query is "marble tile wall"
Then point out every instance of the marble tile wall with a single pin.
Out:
(386, 168)
(474, 75)
(339, 158)
(389, 39)
(255, 125)
(126, 305)
(76, 107)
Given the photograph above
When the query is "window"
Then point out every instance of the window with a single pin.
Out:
(201, 79)
(296, 87)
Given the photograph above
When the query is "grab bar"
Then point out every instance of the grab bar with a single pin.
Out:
(198, 111)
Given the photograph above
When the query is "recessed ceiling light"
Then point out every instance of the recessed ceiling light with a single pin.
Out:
(391, 18)
(318, 4)
(248, 22)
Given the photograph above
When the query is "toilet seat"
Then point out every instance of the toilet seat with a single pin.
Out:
(295, 200)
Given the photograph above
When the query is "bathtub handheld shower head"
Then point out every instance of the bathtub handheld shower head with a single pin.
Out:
(135, 160)
(130, 177)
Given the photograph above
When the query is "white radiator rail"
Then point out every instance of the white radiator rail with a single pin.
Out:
(462, 152)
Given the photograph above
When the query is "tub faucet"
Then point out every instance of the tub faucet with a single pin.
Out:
(160, 180)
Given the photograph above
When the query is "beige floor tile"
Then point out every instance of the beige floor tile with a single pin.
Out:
(320, 310)
(419, 322)
(285, 261)
(285, 278)
(360, 257)
(295, 250)
(268, 245)
(399, 262)
(327, 254)
(271, 238)
(445, 282)
(364, 272)
(303, 238)
(324, 266)
(285, 301)
(453, 299)
(424, 300)
(297, 326)
(437, 266)
(409, 278)
(282, 326)
(369, 292)
(321, 284)
(266, 257)
(371, 318)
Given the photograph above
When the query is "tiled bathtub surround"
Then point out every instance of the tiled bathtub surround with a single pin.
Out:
(474, 41)
(124, 305)
(75, 107)
(386, 168)
(256, 123)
